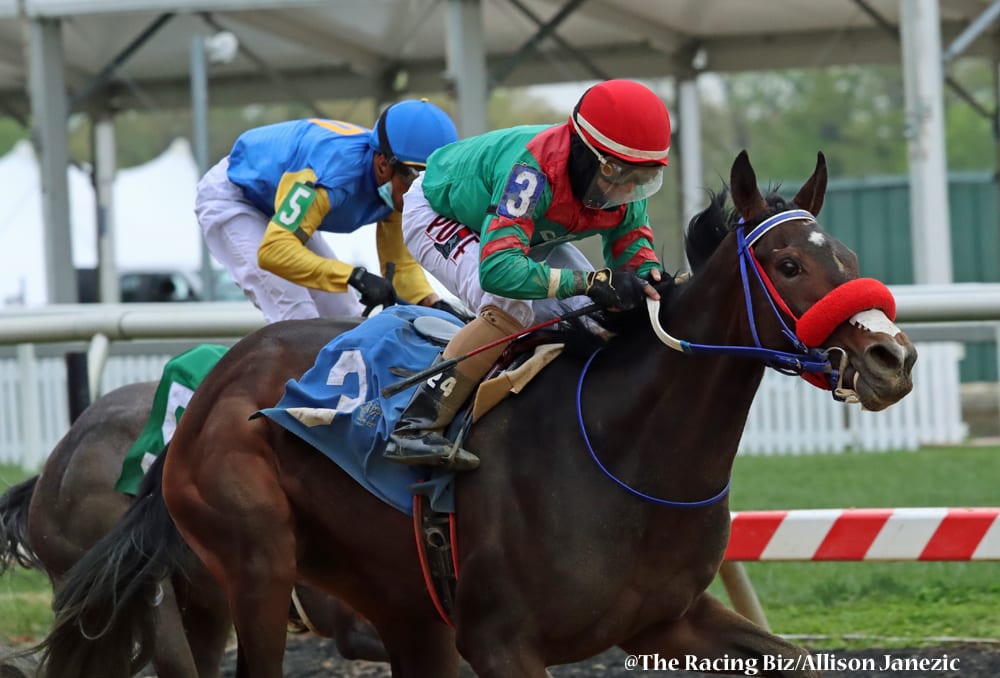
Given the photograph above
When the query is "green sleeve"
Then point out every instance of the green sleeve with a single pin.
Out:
(629, 245)
(505, 269)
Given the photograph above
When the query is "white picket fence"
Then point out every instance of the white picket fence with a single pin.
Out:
(789, 416)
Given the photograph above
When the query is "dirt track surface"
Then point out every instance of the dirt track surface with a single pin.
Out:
(309, 657)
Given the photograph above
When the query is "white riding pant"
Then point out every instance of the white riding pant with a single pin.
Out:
(233, 230)
(449, 251)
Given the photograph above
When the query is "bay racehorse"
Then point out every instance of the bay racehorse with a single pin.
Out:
(599, 515)
(50, 520)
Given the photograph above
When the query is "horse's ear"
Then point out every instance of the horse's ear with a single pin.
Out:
(810, 196)
(743, 187)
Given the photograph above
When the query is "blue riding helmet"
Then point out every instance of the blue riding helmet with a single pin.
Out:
(409, 131)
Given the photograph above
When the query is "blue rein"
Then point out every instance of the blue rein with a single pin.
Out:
(609, 474)
(803, 359)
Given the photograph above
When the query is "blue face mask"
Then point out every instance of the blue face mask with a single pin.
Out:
(385, 192)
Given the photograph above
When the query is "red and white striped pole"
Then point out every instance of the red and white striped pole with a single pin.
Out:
(885, 534)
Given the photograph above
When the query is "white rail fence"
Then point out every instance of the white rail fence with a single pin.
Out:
(789, 416)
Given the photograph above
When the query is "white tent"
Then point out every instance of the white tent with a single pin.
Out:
(154, 222)
(22, 259)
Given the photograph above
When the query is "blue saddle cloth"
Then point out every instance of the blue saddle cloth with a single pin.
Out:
(338, 408)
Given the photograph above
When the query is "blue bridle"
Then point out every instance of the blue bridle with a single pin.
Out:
(801, 359)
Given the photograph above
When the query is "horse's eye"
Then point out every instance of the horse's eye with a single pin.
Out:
(789, 268)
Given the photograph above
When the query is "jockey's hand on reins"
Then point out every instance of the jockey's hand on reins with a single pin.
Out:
(375, 290)
(623, 290)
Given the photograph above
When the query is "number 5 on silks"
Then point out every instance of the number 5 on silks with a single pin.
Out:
(294, 208)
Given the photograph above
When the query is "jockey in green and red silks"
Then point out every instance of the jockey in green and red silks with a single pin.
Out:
(492, 218)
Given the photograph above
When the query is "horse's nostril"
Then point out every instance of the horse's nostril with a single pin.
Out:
(888, 357)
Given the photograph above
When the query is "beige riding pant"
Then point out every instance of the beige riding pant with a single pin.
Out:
(233, 230)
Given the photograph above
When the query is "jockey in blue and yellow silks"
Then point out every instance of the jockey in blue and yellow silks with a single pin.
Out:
(261, 206)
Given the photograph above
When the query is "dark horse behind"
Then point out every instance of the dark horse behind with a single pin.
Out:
(49, 521)
(557, 561)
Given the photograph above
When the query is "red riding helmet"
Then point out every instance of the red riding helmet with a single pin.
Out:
(625, 119)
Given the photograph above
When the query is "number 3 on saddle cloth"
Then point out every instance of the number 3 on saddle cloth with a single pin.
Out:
(338, 408)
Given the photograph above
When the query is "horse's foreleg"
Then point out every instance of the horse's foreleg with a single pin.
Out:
(172, 656)
(259, 588)
(711, 638)
(206, 621)
(327, 616)
(418, 649)
(241, 530)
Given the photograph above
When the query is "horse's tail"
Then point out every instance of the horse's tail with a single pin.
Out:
(15, 548)
(105, 609)
(16, 669)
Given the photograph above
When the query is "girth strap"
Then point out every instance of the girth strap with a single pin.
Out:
(438, 555)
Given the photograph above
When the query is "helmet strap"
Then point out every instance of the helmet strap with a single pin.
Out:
(582, 166)
(383, 138)
(583, 137)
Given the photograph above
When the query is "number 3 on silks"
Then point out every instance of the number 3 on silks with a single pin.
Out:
(524, 185)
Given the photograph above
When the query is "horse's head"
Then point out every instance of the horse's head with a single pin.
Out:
(813, 279)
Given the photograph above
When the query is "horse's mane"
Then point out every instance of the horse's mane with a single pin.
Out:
(704, 233)
(709, 227)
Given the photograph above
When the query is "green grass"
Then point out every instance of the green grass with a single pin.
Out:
(25, 614)
(907, 601)
(25, 595)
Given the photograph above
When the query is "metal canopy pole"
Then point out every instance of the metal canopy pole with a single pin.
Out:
(47, 90)
(585, 61)
(199, 114)
(688, 129)
(920, 33)
(104, 178)
(501, 72)
(466, 57)
(109, 70)
(972, 31)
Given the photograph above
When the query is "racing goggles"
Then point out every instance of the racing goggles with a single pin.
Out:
(617, 182)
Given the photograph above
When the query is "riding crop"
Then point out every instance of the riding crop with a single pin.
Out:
(440, 367)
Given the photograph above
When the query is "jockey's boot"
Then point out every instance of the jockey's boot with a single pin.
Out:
(418, 437)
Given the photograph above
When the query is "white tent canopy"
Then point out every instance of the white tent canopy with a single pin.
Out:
(155, 223)
(66, 55)
(153, 207)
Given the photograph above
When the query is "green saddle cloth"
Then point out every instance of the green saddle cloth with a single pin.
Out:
(181, 376)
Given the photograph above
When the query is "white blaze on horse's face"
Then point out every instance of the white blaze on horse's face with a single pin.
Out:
(819, 239)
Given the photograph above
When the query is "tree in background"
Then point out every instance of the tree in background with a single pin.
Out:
(855, 115)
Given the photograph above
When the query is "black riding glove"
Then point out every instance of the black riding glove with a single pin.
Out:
(375, 290)
(622, 289)
(443, 305)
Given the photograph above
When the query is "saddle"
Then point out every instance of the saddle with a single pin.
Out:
(435, 531)
(339, 408)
